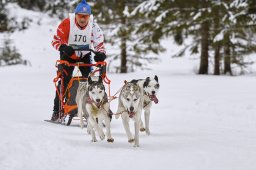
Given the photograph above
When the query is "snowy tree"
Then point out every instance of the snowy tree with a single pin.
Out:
(59, 8)
(235, 33)
(121, 26)
(9, 55)
(31, 4)
(214, 25)
(3, 17)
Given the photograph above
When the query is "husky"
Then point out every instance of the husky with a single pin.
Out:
(130, 107)
(93, 104)
(80, 99)
(150, 88)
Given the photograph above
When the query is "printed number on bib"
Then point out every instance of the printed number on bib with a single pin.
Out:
(79, 38)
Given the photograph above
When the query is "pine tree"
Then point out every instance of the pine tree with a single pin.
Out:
(9, 54)
(117, 14)
(59, 8)
(213, 25)
(32, 4)
(3, 17)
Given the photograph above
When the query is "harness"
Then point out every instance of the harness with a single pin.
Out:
(95, 107)
(131, 114)
(146, 103)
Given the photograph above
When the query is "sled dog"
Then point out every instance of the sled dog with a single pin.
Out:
(150, 88)
(80, 100)
(130, 107)
(92, 102)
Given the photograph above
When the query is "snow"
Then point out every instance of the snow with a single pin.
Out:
(219, 36)
(126, 11)
(201, 122)
(162, 16)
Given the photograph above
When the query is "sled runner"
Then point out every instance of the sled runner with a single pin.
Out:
(67, 98)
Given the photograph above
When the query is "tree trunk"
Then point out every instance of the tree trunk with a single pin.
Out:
(217, 60)
(227, 55)
(123, 68)
(123, 55)
(217, 45)
(227, 59)
(204, 48)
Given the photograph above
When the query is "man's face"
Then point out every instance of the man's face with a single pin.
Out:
(82, 19)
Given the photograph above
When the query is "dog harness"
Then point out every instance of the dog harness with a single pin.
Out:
(95, 107)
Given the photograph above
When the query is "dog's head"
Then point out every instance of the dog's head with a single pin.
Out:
(131, 96)
(96, 90)
(151, 87)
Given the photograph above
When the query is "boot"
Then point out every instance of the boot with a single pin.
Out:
(55, 116)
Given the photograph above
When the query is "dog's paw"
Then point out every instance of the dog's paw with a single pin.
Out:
(131, 140)
(147, 132)
(81, 126)
(94, 140)
(142, 129)
(110, 140)
(136, 145)
(102, 136)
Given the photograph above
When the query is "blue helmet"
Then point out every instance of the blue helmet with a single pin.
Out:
(83, 8)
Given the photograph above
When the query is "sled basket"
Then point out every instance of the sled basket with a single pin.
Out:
(70, 106)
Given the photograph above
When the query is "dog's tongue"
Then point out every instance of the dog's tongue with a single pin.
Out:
(131, 114)
(154, 98)
(98, 104)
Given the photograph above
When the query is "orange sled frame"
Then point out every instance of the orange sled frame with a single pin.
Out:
(64, 107)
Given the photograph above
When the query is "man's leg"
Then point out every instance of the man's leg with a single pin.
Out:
(86, 70)
(67, 74)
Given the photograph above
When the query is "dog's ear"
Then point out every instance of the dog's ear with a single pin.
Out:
(156, 78)
(90, 80)
(146, 82)
(100, 79)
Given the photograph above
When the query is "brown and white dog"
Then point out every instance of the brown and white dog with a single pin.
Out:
(130, 105)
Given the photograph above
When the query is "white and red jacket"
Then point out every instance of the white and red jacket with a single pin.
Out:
(69, 32)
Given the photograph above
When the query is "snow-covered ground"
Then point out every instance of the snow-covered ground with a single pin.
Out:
(200, 123)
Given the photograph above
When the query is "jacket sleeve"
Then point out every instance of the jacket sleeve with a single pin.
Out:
(62, 34)
(97, 38)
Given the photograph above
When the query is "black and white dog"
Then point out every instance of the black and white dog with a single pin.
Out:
(130, 105)
(92, 102)
(150, 88)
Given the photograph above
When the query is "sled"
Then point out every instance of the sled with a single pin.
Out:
(67, 98)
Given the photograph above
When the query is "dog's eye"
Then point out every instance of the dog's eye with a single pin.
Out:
(135, 100)
(93, 92)
(128, 99)
(149, 86)
(157, 86)
(100, 91)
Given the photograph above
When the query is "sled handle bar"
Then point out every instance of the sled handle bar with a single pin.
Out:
(101, 63)
(82, 48)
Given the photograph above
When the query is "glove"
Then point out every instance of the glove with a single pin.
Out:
(99, 56)
(66, 50)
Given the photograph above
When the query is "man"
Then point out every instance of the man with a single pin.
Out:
(78, 29)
